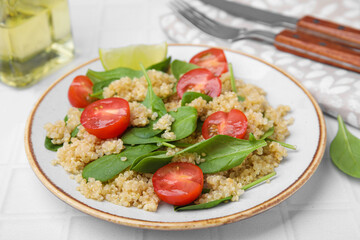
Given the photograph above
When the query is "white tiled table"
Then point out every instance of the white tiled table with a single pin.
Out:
(326, 207)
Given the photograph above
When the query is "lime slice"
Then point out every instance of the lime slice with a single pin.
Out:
(132, 56)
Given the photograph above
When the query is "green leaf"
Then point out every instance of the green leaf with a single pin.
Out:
(268, 133)
(75, 131)
(202, 205)
(108, 166)
(50, 146)
(152, 101)
(179, 68)
(223, 152)
(182, 144)
(233, 84)
(184, 125)
(103, 79)
(151, 162)
(258, 181)
(345, 151)
(185, 122)
(188, 97)
(162, 66)
(286, 145)
(217, 202)
(143, 132)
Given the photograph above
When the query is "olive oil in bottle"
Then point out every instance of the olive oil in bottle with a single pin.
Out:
(35, 38)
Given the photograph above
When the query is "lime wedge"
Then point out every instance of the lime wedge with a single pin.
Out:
(131, 56)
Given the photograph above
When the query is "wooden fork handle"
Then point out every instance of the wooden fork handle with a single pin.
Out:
(318, 49)
(331, 31)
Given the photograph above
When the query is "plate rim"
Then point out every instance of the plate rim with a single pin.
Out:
(198, 224)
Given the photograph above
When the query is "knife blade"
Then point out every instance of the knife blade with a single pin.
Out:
(331, 31)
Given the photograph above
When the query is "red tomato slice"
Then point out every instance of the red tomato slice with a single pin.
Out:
(178, 183)
(199, 80)
(106, 118)
(232, 124)
(213, 59)
(79, 92)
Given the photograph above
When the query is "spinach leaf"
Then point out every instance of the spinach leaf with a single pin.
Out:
(217, 202)
(103, 79)
(202, 205)
(184, 125)
(345, 151)
(143, 132)
(185, 121)
(129, 138)
(223, 152)
(233, 84)
(151, 162)
(162, 66)
(270, 132)
(108, 166)
(182, 144)
(50, 146)
(75, 131)
(293, 147)
(179, 68)
(188, 97)
(258, 181)
(152, 101)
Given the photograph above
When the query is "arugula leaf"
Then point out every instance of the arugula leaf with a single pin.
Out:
(223, 152)
(179, 68)
(202, 205)
(151, 162)
(152, 101)
(188, 97)
(50, 146)
(108, 166)
(184, 125)
(345, 151)
(233, 85)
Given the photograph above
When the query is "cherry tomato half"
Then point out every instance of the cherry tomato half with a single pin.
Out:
(213, 59)
(232, 124)
(79, 92)
(106, 118)
(199, 80)
(178, 183)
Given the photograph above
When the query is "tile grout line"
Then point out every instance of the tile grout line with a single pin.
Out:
(284, 212)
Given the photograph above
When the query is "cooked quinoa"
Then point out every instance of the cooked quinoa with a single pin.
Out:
(135, 189)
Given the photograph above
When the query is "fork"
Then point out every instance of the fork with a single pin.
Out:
(297, 43)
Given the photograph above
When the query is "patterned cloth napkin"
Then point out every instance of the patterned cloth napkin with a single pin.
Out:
(336, 90)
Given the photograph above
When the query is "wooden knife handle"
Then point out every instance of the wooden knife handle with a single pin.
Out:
(329, 30)
(318, 49)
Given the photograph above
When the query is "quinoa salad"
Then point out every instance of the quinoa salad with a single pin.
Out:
(169, 117)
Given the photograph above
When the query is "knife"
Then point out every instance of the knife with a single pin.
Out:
(311, 25)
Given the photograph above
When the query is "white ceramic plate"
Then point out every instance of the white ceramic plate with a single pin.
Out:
(307, 133)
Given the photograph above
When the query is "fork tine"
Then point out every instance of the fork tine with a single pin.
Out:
(202, 17)
(202, 22)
